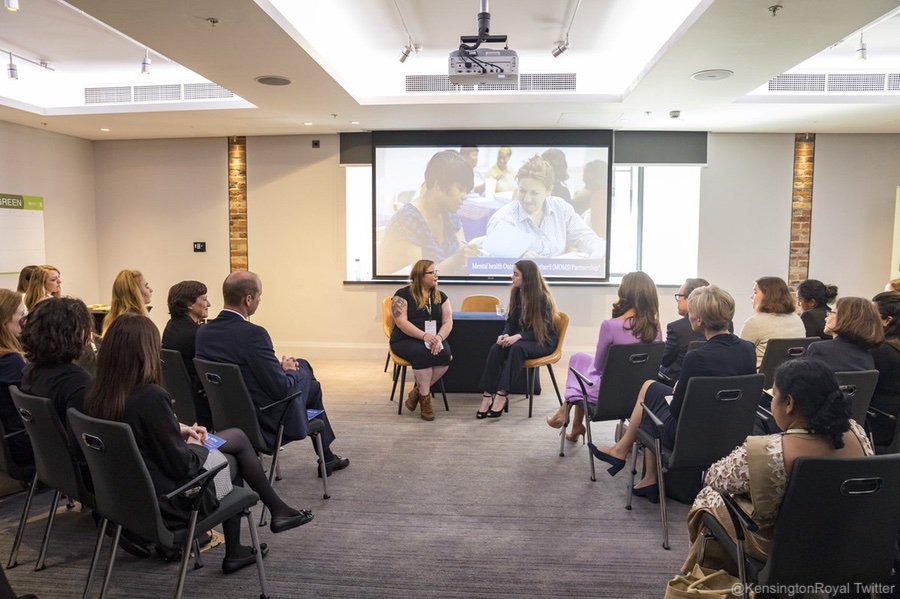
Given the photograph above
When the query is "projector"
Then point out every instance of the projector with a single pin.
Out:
(483, 65)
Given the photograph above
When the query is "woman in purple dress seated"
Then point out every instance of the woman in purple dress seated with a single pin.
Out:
(635, 319)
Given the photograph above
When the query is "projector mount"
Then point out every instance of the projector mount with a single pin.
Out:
(473, 65)
(484, 32)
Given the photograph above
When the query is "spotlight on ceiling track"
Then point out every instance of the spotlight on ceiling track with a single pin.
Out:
(862, 49)
(11, 71)
(405, 52)
(560, 48)
(11, 5)
(147, 63)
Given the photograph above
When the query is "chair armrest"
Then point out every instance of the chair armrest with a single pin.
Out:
(763, 413)
(876, 412)
(21, 431)
(585, 380)
(286, 402)
(203, 479)
(740, 519)
(655, 419)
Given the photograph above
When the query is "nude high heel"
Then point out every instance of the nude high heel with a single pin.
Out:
(556, 419)
(578, 430)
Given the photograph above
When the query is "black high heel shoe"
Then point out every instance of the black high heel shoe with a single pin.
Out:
(492, 413)
(615, 464)
(482, 415)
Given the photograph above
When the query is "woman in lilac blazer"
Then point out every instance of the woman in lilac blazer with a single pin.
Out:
(635, 319)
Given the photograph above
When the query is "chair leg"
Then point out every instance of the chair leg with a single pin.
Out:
(562, 432)
(402, 388)
(323, 470)
(54, 505)
(387, 360)
(198, 561)
(447, 406)
(529, 377)
(112, 561)
(394, 388)
(634, 452)
(260, 569)
(590, 439)
(21, 530)
(97, 547)
(273, 468)
(663, 512)
(555, 386)
(186, 554)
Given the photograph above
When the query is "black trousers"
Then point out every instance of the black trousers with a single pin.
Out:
(504, 364)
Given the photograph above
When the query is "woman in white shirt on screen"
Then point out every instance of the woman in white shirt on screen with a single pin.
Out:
(549, 223)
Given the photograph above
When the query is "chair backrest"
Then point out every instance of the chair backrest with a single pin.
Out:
(627, 368)
(177, 382)
(562, 327)
(859, 387)
(716, 416)
(480, 303)
(52, 457)
(123, 490)
(779, 351)
(229, 400)
(838, 522)
(387, 319)
(8, 465)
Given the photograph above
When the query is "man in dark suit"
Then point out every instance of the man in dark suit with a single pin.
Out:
(232, 339)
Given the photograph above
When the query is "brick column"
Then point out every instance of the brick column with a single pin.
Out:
(801, 207)
(237, 203)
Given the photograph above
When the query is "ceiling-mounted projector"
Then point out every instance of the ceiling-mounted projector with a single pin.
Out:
(472, 64)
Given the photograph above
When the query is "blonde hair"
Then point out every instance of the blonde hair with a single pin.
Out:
(417, 284)
(126, 297)
(37, 286)
(9, 303)
(713, 306)
(57, 271)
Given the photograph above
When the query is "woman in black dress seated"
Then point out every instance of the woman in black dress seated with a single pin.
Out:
(813, 297)
(710, 309)
(887, 360)
(12, 311)
(188, 307)
(857, 329)
(422, 320)
(127, 390)
(530, 332)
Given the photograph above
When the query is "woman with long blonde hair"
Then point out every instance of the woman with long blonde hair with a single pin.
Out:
(422, 320)
(530, 332)
(12, 362)
(130, 295)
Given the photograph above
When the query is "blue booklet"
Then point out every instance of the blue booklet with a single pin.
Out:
(310, 414)
(213, 442)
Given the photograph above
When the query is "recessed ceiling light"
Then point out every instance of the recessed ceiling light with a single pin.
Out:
(712, 75)
(308, 124)
(354, 122)
(104, 129)
(276, 80)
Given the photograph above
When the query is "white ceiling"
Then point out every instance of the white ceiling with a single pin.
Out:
(633, 59)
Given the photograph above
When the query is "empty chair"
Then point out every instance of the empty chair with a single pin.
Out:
(779, 351)
(53, 461)
(177, 381)
(126, 497)
(534, 364)
(858, 386)
(716, 416)
(837, 525)
(480, 303)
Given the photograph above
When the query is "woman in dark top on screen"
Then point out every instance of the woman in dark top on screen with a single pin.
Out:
(422, 320)
(188, 307)
(12, 311)
(710, 309)
(887, 361)
(127, 390)
(857, 328)
(813, 298)
(530, 332)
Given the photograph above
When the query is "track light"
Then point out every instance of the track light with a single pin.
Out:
(861, 50)
(11, 5)
(11, 71)
(405, 52)
(560, 48)
(145, 66)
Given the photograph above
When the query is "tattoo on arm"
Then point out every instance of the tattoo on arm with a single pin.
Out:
(398, 307)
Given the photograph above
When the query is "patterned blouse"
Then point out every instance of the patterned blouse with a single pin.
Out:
(409, 225)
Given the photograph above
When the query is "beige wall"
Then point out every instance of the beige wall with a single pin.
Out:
(61, 170)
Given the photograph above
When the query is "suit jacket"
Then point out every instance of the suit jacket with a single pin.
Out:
(678, 337)
(234, 340)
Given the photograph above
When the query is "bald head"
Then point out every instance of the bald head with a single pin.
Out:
(240, 286)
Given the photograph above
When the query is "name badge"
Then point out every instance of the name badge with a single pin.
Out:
(431, 327)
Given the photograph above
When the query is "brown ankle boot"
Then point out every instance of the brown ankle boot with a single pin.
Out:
(412, 399)
(427, 410)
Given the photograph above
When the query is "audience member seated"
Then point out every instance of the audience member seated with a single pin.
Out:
(635, 319)
(557, 159)
(887, 361)
(188, 307)
(422, 320)
(12, 311)
(428, 227)
(56, 334)
(775, 315)
(856, 326)
(679, 334)
(501, 173)
(232, 339)
(530, 332)
(815, 416)
(24, 278)
(44, 282)
(131, 293)
(813, 298)
(893, 285)
(549, 222)
(127, 390)
(710, 309)
(470, 155)
(591, 201)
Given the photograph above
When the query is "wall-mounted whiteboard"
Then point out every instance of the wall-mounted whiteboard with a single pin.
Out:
(21, 235)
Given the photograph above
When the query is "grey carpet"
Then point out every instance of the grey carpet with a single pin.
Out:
(452, 508)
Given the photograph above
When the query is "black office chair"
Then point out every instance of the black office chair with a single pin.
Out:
(836, 526)
(627, 368)
(177, 382)
(125, 496)
(894, 445)
(716, 416)
(54, 463)
(232, 407)
(859, 387)
(26, 475)
(779, 351)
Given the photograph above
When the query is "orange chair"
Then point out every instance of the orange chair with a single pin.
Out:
(387, 324)
(480, 303)
(562, 327)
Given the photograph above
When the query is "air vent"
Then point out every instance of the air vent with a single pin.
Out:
(797, 83)
(893, 82)
(544, 82)
(205, 91)
(156, 93)
(856, 82)
(836, 83)
(107, 95)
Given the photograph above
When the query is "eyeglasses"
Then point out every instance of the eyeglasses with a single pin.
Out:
(678, 295)
(431, 272)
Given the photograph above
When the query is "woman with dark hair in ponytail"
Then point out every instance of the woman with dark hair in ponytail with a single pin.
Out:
(814, 414)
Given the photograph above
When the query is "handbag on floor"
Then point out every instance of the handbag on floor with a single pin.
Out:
(701, 583)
